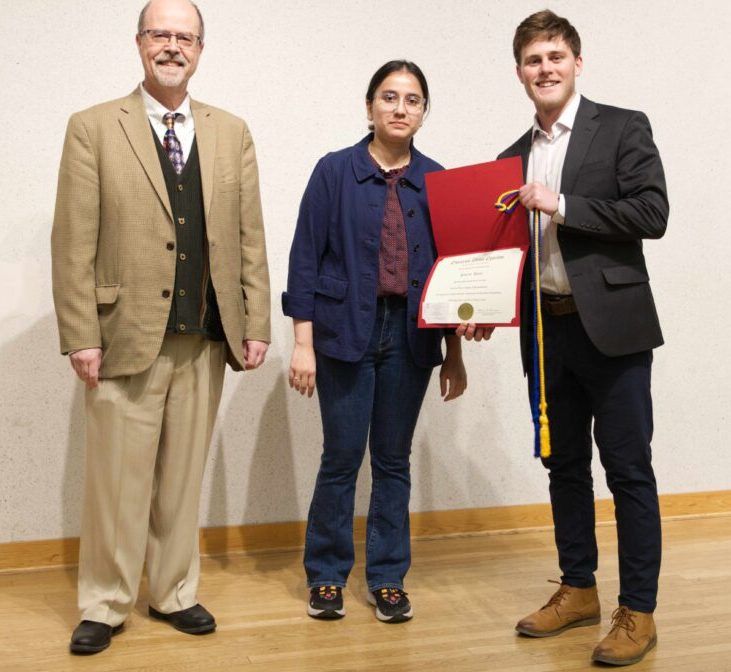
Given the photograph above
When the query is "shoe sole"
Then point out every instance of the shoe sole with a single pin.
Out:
(552, 633)
(615, 661)
(400, 618)
(325, 614)
(85, 649)
(198, 630)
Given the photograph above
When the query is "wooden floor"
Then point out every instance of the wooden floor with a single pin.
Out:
(467, 594)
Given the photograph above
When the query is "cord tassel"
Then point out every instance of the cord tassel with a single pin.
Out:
(544, 431)
(506, 203)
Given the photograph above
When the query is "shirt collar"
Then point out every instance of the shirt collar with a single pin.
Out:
(365, 167)
(564, 123)
(156, 110)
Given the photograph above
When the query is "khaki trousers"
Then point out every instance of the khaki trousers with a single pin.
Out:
(147, 438)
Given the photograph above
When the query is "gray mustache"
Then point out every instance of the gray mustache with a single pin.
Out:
(175, 58)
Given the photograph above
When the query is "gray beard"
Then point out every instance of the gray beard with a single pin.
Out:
(170, 80)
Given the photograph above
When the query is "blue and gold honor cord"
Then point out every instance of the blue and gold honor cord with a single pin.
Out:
(506, 203)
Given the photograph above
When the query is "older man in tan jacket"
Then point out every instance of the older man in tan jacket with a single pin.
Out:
(159, 278)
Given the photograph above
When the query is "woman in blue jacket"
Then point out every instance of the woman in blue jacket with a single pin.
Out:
(362, 251)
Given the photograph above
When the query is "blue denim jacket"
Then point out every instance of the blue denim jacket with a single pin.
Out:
(333, 263)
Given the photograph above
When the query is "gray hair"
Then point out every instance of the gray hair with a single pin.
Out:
(141, 20)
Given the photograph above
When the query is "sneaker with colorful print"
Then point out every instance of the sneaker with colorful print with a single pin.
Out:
(392, 605)
(326, 602)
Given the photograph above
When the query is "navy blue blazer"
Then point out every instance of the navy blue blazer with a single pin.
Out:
(333, 263)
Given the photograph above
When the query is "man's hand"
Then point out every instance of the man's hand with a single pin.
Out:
(471, 331)
(254, 354)
(86, 363)
(537, 196)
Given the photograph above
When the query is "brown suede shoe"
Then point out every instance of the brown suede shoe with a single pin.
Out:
(569, 607)
(632, 635)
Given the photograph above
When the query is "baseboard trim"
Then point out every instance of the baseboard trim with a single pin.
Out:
(24, 555)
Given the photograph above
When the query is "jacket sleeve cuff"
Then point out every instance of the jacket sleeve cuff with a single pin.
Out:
(559, 217)
(298, 307)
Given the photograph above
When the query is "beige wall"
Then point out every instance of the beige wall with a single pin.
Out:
(297, 71)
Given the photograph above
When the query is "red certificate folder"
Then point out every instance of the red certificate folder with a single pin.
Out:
(465, 220)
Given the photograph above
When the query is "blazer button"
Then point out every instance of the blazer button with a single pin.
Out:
(416, 247)
(170, 246)
(414, 283)
(402, 182)
(165, 293)
(411, 212)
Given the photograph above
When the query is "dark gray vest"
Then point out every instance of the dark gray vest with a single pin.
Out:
(194, 308)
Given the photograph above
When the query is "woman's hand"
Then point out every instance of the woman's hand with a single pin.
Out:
(302, 366)
(452, 375)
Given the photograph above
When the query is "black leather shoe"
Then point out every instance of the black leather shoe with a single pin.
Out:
(195, 620)
(92, 637)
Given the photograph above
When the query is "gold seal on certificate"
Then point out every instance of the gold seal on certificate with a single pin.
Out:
(465, 311)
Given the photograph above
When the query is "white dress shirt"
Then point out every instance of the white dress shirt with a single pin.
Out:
(545, 165)
(184, 127)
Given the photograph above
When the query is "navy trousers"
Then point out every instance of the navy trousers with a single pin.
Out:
(583, 385)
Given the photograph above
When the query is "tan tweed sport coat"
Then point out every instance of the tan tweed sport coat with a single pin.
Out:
(113, 275)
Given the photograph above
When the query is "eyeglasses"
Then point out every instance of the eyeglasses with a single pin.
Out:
(390, 100)
(184, 40)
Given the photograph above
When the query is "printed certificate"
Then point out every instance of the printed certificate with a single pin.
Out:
(481, 287)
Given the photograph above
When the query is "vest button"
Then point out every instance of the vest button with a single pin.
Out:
(181, 327)
(182, 256)
(181, 220)
(180, 187)
(414, 283)
(165, 293)
(170, 246)
(411, 212)
(181, 292)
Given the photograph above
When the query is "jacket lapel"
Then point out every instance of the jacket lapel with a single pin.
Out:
(205, 133)
(524, 147)
(584, 130)
(136, 125)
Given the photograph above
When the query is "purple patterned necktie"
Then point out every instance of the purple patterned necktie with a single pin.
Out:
(171, 143)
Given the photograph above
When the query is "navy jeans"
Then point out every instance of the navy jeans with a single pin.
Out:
(583, 384)
(382, 393)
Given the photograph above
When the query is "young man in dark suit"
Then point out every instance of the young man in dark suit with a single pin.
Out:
(594, 174)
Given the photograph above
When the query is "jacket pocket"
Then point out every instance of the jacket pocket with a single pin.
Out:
(106, 294)
(331, 287)
(625, 275)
